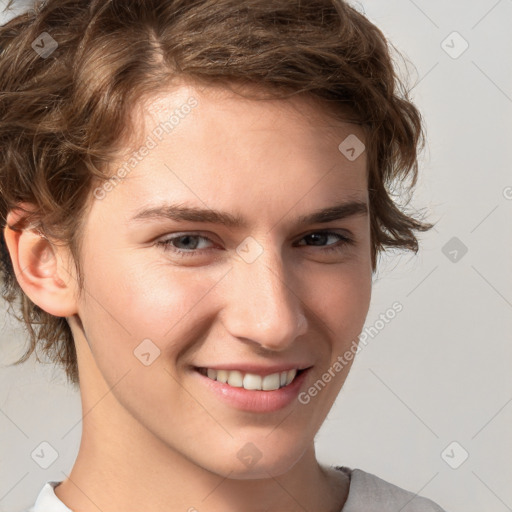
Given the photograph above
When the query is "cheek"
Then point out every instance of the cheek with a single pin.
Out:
(340, 296)
(133, 300)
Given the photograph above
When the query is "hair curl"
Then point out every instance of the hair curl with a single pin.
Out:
(63, 116)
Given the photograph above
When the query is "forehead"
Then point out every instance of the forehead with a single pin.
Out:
(224, 150)
(224, 102)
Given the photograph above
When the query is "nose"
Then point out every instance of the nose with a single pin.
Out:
(263, 304)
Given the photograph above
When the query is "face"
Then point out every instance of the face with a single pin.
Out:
(177, 301)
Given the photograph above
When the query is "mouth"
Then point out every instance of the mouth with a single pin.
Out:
(252, 381)
(252, 388)
(252, 392)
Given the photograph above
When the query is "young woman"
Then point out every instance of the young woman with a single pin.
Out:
(194, 195)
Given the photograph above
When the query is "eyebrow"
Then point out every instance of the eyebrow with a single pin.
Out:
(182, 213)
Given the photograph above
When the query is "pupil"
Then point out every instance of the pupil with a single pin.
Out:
(187, 238)
(318, 237)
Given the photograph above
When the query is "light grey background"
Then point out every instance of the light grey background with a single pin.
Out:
(439, 372)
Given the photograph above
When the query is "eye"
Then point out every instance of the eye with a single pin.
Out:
(190, 241)
(320, 237)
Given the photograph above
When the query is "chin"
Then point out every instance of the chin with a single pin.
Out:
(253, 460)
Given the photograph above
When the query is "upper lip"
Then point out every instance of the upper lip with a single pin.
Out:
(257, 369)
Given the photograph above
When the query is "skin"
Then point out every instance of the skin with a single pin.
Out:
(154, 437)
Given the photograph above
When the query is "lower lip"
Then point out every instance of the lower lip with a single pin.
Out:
(255, 400)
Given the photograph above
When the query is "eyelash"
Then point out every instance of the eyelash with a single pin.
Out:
(167, 243)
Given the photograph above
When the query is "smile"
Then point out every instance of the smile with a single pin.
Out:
(251, 381)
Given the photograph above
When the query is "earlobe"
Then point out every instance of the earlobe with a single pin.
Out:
(40, 269)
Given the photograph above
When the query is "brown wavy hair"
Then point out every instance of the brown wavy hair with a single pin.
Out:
(62, 116)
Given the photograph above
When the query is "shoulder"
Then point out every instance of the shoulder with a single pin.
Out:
(372, 494)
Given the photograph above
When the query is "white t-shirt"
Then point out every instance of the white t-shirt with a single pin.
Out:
(367, 493)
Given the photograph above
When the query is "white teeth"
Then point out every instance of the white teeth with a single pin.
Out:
(235, 379)
(271, 382)
(222, 376)
(290, 376)
(252, 381)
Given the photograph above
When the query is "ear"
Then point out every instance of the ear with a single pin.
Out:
(42, 269)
